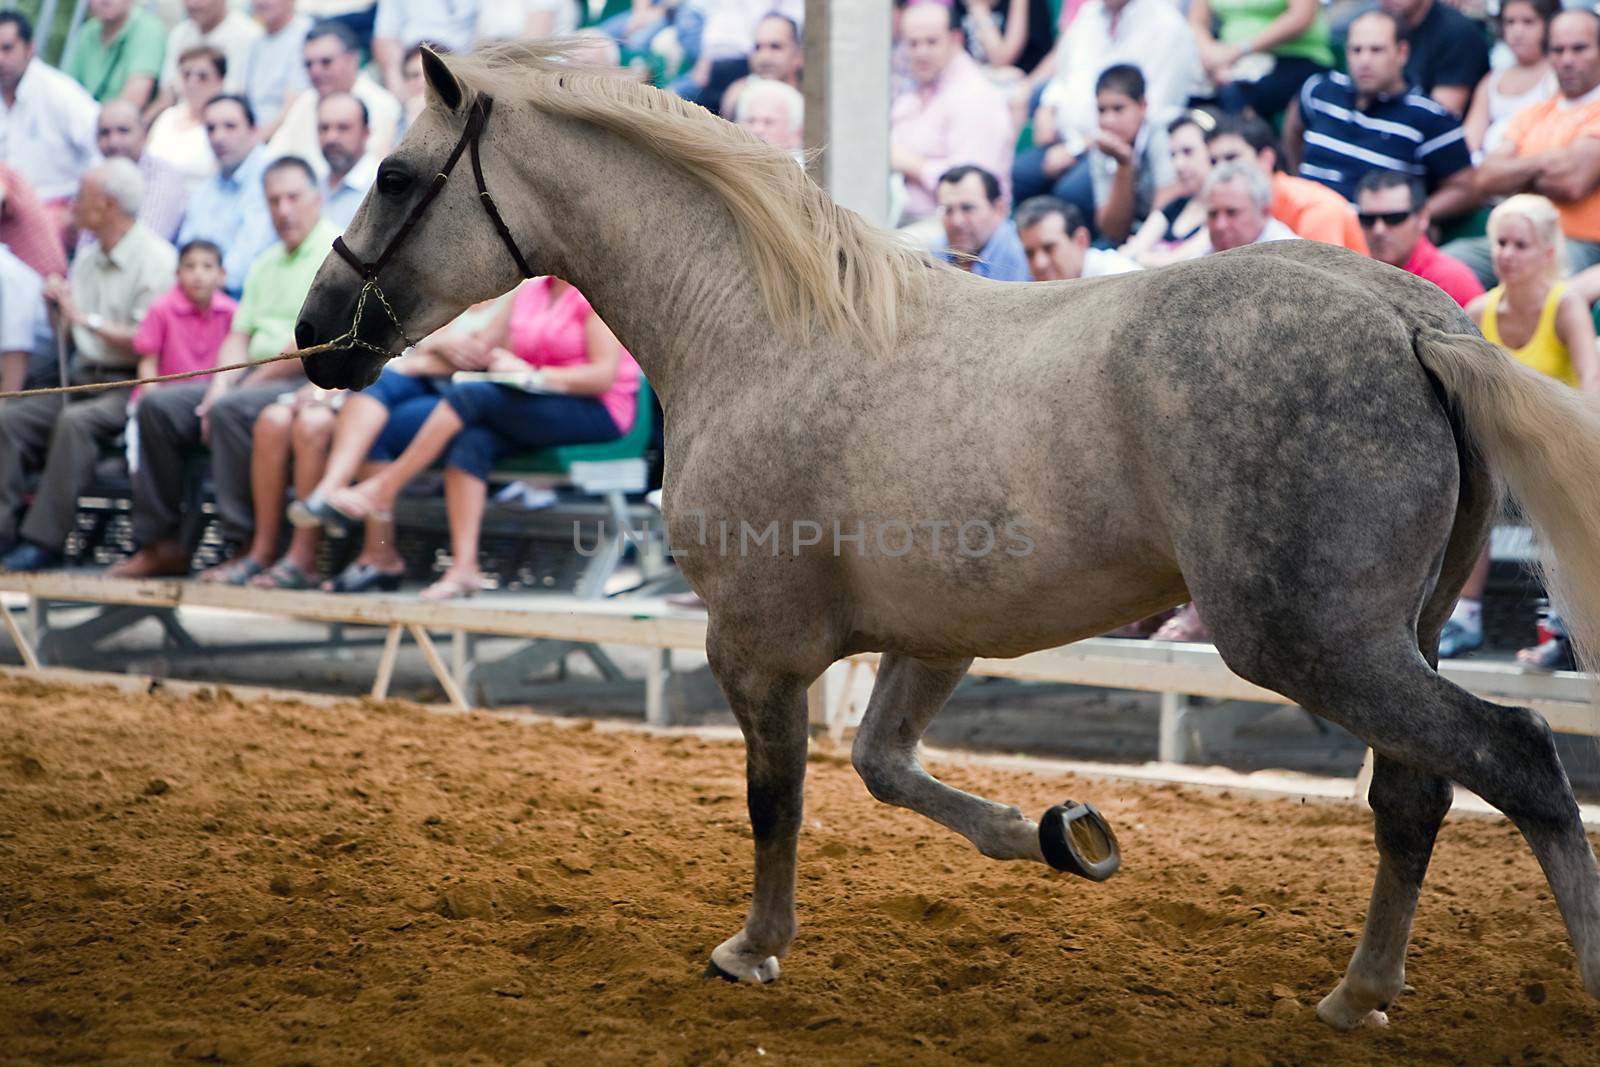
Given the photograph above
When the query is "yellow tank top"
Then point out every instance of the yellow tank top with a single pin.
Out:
(1544, 351)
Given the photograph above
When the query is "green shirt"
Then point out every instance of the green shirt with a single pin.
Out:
(1242, 20)
(104, 69)
(276, 287)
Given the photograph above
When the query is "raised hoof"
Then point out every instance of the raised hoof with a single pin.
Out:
(1077, 839)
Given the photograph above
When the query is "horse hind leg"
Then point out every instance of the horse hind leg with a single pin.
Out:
(908, 694)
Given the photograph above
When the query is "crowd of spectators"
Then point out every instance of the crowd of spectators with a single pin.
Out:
(1030, 140)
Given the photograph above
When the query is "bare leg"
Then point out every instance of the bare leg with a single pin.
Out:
(907, 695)
(378, 493)
(1478, 580)
(361, 420)
(269, 478)
(313, 432)
(464, 498)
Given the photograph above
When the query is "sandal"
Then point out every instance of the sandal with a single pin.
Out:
(237, 571)
(1552, 655)
(315, 511)
(363, 578)
(1186, 626)
(448, 588)
(284, 574)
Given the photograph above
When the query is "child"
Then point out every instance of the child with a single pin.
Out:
(185, 327)
(1129, 163)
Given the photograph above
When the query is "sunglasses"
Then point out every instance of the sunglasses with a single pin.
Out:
(1369, 219)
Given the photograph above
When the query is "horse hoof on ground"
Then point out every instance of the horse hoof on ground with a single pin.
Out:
(1337, 1011)
(1077, 839)
(733, 964)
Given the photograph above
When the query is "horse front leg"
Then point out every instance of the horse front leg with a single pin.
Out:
(771, 708)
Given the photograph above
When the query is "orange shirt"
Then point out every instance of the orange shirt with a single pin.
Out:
(1544, 127)
(1316, 212)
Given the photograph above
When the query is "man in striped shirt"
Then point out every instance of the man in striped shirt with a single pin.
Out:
(1343, 126)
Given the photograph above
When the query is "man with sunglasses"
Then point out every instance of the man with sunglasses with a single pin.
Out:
(333, 65)
(1393, 211)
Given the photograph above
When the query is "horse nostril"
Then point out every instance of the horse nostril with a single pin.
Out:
(305, 334)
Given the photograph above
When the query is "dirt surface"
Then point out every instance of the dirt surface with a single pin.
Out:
(191, 879)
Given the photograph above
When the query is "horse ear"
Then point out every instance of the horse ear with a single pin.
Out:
(440, 80)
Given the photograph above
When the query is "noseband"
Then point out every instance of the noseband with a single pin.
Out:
(476, 120)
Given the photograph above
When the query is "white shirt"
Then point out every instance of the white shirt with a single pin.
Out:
(1150, 34)
(730, 29)
(179, 140)
(298, 134)
(339, 202)
(505, 20)
(1101, 262)
(48, 135)
(23, 318)
(233, 36)
(447, 22)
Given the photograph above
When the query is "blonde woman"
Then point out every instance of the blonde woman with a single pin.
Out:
(1544, 324)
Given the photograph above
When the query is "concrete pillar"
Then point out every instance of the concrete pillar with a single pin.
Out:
(847, 102)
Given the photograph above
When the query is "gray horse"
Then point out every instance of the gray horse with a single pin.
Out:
(1305, 442)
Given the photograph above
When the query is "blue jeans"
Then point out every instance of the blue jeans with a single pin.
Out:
(686, 20)
(497, 419)
(1075, 185)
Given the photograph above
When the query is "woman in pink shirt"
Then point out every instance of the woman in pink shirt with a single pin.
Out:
(588, 390)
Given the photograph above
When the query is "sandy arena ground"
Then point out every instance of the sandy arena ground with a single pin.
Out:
(198, 880)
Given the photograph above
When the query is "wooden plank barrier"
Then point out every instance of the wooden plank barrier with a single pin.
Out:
(1179, 672)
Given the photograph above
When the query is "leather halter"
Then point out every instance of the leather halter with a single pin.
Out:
(476, 120)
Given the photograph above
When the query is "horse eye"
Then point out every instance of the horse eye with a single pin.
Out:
(393, 182)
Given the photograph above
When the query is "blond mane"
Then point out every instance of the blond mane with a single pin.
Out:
(816, 263)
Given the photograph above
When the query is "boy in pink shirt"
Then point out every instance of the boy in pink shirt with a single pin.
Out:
(184, 329)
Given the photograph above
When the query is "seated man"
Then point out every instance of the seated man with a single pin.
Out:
(274, 73)
(222, 412)
(229, 210)
(342, 129)
(778, 55)
(333, 63)
(1394, 214)
(1309, 208)
(722, 43)
(122, 132)
(1130, 162)
(978, 236)
(1344, 125)
(1449, 53)
(1238, 199)
(117, 53)
(775, 113)
(1553, 148)
(210, 22)
(47, 132)
(399, 24)
(112, 284)
(952, 115)
(1055, 239)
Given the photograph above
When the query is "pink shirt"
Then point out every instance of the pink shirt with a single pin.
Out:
(959, 118)
(553, 334)
(181, 336)
(1447, 272)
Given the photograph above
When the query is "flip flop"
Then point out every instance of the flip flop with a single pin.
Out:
(351, 518)
(283, 574)
(237, 571)
(363, 578)
(315, 511)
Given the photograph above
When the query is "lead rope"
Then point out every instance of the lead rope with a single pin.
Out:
(346, 339)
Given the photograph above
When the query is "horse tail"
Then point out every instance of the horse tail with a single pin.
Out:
(1541, 438)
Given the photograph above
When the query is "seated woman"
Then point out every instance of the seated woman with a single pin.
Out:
(1176, 230)
(1546, 325)
(375, 426)
(587, 392)
(297, 429)
(1262, 52)
(178, 134)
(1525, 29)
